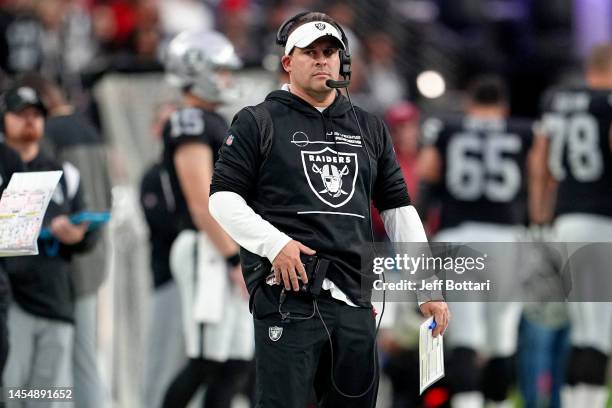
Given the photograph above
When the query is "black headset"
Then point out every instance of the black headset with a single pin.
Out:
(282, 35)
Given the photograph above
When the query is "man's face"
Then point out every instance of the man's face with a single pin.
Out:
(27, 125)
(311, 66)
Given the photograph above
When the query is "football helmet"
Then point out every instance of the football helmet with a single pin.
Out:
(196, 61)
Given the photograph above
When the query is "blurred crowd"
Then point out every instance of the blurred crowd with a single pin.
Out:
(77, 41)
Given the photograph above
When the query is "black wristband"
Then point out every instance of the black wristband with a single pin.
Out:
(233, 260)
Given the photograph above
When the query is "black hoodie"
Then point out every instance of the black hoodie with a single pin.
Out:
(314, 183)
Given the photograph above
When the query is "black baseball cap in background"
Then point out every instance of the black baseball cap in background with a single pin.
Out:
(18, 98)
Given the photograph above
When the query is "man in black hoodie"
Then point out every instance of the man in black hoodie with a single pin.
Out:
(307, 191)
(42, 316)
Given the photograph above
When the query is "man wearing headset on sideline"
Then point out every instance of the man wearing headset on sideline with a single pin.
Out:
(292, 186)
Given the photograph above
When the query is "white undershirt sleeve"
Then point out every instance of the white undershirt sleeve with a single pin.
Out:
(245, 226)
(403, 224)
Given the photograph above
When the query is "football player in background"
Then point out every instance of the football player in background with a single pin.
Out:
(473, 164)
(204, 260)
(576, 167)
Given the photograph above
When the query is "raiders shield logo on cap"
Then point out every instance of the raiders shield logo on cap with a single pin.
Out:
(320, 26)
(275, 333)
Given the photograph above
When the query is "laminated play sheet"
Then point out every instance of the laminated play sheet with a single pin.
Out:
(431, 355)
(22, 209)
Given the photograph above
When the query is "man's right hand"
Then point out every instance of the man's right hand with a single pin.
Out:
(287, 265)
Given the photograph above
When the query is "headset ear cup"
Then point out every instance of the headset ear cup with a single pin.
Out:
(345, 64)
(345, 55)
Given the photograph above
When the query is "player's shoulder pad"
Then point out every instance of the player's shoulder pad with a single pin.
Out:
(186, 121)
(601, 102)
(566, 99)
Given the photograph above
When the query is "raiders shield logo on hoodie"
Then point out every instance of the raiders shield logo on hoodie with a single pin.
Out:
(331, 175)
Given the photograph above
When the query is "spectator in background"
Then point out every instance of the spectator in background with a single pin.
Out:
(128, 36)
(360, 90)
(41, 321)
(236, 22)
(403, 122)
(165, 351)
(52, 14)
(276, 12)
(136, 50)
(104, 27)
(52, 37)
(20, 37)
(70, 137)
(141, 53)
(78, 44)
(344, 13)
(387, 85)
(119, 20)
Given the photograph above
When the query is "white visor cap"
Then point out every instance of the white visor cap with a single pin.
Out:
(307, 33)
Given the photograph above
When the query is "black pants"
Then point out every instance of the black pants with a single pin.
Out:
(223, 381)
(292, 355)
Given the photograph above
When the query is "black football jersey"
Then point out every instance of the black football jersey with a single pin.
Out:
(577, 123)
(483, 168)
(190, 125)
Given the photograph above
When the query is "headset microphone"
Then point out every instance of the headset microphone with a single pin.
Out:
(337, 84)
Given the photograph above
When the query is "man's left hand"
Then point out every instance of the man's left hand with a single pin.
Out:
(439, 310)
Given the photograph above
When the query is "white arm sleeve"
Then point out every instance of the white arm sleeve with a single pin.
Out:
(403, 224)
(245, 226)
